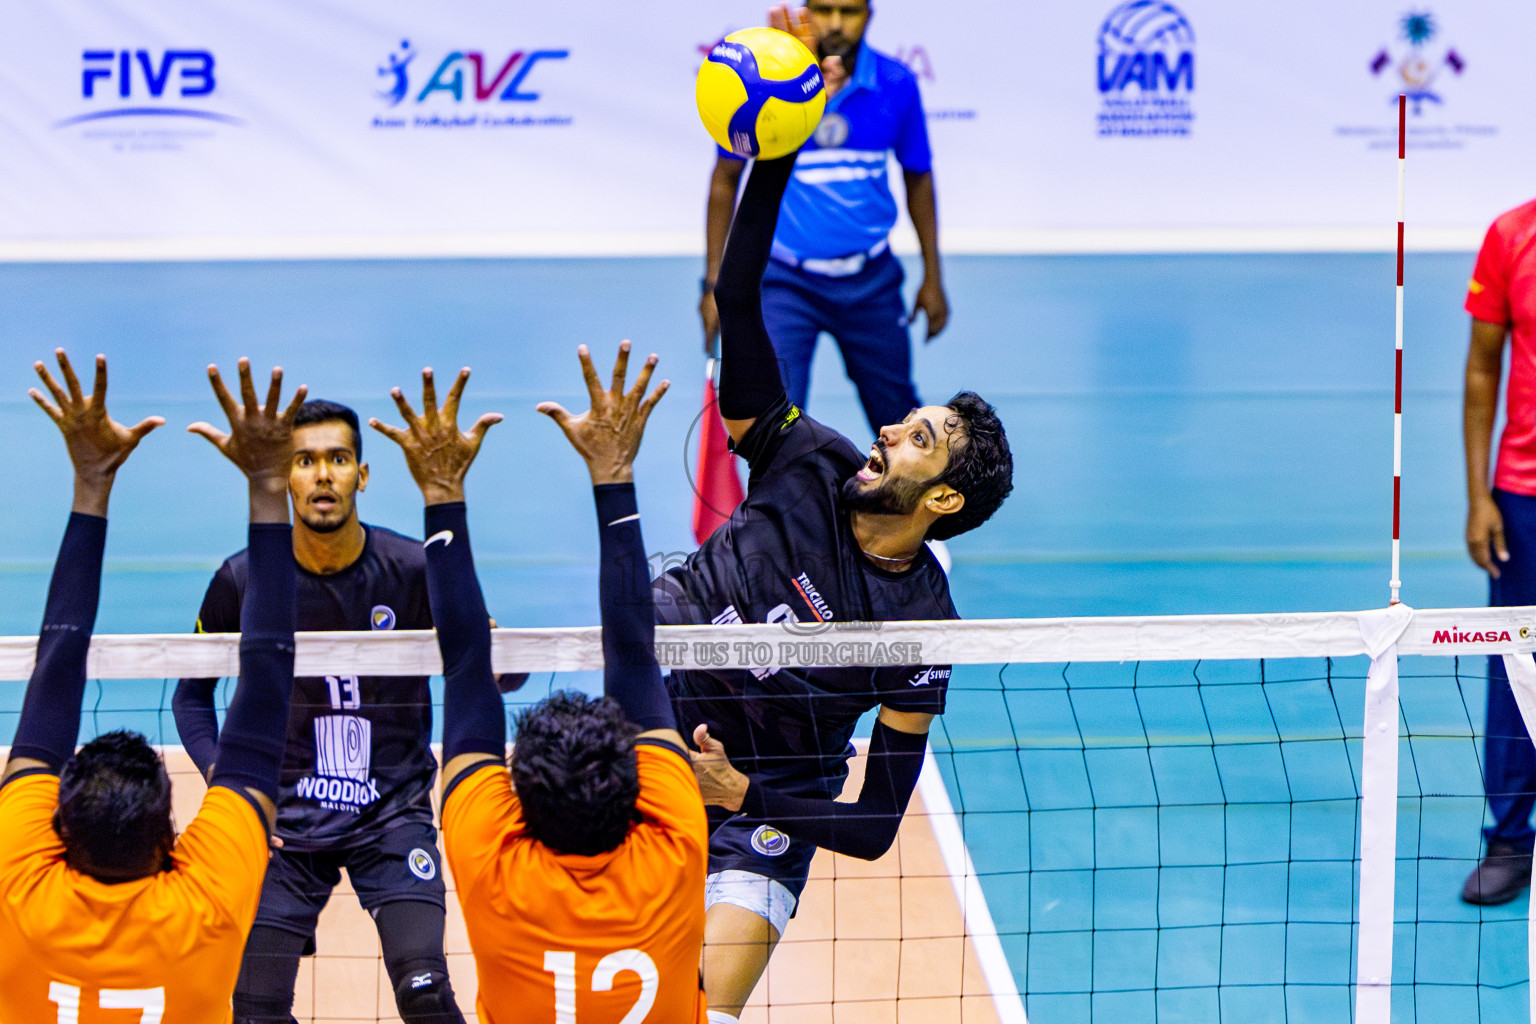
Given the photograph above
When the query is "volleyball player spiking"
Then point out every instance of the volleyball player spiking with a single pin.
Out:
(826, 534)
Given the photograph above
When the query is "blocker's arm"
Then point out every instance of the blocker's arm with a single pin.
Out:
(50, 712)
(249, 756)
(474, 722)
(98, 446)
(630, 673)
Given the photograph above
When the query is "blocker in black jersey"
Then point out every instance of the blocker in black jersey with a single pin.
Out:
(359, 758)
(788, 555)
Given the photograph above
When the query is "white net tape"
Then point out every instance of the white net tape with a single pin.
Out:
(1440, 632)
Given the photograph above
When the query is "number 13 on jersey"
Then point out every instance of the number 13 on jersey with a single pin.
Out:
(563, 967)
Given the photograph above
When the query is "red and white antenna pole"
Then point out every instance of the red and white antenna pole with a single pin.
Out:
(1397, 414)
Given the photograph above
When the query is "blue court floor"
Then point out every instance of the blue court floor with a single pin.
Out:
(1191, 434)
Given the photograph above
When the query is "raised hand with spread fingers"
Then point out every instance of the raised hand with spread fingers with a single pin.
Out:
(608, 434)
(98, 445)
(260, 438)
(437, 453)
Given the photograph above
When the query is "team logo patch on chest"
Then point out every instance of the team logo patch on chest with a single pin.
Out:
(382, 617)
(769, 841)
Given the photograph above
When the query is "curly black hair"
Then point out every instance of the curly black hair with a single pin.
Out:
(576, 773)
(115, 806)
(980, 466)
(318, 410)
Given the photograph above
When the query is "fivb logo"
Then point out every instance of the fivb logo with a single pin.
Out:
(486, 80)
(1146, 70)
(147, 76)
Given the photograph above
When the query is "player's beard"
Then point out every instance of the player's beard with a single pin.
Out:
(317, 524)
(891, 498)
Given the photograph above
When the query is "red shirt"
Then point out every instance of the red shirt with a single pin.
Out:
(1503, 291)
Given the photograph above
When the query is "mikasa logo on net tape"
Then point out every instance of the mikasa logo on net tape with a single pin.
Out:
(1476, 636)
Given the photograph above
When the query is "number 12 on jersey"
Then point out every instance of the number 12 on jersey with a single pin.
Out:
(563, 967)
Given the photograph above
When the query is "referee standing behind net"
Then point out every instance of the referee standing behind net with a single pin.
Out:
(1501, 526)
(832, 269)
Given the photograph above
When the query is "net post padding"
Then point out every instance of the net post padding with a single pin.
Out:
(1378, 815)
(1443, 632)
(1522, 681)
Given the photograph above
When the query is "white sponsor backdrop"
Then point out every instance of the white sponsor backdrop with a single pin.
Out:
(1289, 143)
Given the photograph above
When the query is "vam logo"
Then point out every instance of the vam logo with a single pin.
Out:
(1146, 70)
(138, 83)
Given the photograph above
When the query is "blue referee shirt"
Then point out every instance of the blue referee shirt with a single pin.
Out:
(839, 201)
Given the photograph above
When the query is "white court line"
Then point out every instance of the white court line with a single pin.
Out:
(979, 926)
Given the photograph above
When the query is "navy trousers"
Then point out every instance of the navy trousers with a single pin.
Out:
(864, 314)
(1509, 766)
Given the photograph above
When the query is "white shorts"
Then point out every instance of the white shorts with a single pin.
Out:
(763, 896)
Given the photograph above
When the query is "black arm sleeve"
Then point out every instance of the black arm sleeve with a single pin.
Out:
(250, 750)
(50, 712)
(192, 703)
(867, 828)
(750, 383)
(474, 721)
(630, 673)
(196, 721)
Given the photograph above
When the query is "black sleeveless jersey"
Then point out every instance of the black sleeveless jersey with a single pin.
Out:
(359, 758)
(788, 555)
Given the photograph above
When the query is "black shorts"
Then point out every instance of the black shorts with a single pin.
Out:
(739, 843)
(402, 863)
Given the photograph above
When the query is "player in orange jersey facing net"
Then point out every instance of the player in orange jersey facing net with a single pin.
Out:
(106, 913)
(583, 886)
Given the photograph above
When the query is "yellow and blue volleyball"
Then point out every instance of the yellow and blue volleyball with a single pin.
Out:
(760, 93)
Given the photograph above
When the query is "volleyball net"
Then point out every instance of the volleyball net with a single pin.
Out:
(1235, 817)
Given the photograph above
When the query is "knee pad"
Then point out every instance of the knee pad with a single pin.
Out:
(425, 996)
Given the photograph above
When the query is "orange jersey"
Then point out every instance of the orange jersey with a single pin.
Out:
(560, 939)
(166, 947)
